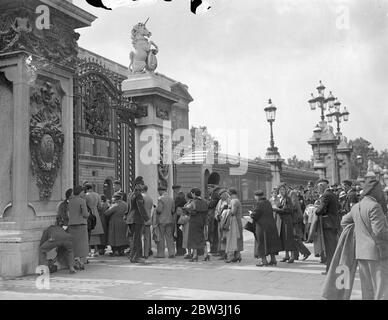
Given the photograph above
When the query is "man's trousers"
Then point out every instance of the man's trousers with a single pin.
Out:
(374, 279)
(166, 230)
(331, 240)
(50, 245)
(136, 231)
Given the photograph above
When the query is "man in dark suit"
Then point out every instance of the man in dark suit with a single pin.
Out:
(328, 212)
(135, 219)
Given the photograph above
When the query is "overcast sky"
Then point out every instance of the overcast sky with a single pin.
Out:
(241, 53)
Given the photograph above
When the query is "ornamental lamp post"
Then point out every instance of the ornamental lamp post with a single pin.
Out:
(320, 101)
(338, 115)
(273, 156)
(270, 112)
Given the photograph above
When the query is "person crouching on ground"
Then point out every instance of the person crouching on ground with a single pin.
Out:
(56, 237)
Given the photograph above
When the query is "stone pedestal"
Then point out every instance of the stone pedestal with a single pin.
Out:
(36, 86)
(274, 159)
(165, 102)
(344, 152)
(325, 144)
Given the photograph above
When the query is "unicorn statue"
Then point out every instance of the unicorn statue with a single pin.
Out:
(144, 57)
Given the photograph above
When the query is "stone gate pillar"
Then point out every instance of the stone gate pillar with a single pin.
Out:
(38, 56)
(274, 159)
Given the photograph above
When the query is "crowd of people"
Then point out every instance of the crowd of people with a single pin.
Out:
(192, 225)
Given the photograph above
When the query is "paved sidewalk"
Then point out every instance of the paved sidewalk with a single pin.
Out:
(116, 278)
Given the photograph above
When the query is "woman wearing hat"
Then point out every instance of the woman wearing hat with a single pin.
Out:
(197, 210)
(267, 239)
(234, 234)
(284, 209)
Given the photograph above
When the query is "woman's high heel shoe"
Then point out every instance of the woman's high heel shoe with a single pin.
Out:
(285, 259)
(194, 259)
(237, 259)
(207, 258)
(291, 260)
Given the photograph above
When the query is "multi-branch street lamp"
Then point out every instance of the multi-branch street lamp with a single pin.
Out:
(320, 101)
(270, 112)
(338, 115)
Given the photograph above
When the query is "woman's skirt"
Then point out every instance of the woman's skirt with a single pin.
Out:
(185, 231)
(80, 240)
(287, 236)
(196, 236)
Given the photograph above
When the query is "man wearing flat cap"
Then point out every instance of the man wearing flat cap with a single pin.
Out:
(371, 237)
(328, 212)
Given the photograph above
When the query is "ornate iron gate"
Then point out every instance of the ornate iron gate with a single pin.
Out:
(104, 128)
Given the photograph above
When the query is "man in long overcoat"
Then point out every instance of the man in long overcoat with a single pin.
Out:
(117, 229)
(266, 234)
(328, 211)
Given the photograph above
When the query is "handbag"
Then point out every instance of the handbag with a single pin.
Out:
(249, 226)
(382, 247)
(226, 221)
(92, 220)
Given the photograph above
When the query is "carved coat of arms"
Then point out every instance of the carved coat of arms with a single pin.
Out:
(46, 138)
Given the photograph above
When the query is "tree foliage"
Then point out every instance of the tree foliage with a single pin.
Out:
(294, 162)
(364, 148)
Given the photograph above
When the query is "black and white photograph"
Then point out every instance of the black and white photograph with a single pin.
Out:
(214, 151)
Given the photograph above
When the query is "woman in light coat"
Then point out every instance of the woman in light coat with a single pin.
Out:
(221, 214)
(93, 201)
(234, 235)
